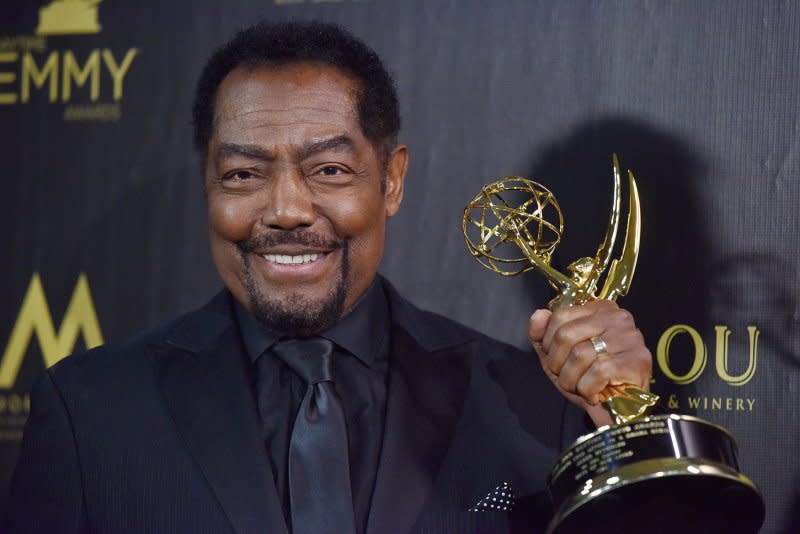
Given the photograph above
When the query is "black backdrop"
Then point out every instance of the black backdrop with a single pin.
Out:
(102, 215)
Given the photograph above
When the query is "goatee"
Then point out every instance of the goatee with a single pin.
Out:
(298, 316)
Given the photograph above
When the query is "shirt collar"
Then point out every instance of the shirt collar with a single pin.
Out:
(363, 332)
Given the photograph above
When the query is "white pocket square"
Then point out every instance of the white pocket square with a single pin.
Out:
(501, 499)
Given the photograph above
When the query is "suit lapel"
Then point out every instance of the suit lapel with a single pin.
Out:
(426, 392)
(202, 373)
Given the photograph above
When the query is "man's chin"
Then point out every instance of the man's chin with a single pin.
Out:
(297, 316)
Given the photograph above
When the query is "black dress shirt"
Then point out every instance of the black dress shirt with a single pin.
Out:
(361, 362)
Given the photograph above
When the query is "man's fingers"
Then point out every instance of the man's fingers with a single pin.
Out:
(597, 310)
(571, 326)
(563, 342)
(595, 380)
(627, 367)
(568, 339)
(561, 317)
(578, 361)
(537, 325)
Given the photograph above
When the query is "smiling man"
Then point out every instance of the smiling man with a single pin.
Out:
(308, 396)
(298, 195)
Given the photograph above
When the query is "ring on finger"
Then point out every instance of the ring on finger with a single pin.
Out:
(599, 345)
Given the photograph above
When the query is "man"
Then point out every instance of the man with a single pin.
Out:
(213, 424)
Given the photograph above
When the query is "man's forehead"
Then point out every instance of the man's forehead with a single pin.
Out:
(286, 94)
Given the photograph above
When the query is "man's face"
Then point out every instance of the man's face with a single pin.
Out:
(296, 206)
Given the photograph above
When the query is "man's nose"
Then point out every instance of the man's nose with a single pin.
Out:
(289, 204)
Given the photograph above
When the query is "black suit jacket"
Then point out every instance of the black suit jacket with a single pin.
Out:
(160, 434)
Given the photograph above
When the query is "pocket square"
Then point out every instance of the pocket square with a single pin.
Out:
(501, 499)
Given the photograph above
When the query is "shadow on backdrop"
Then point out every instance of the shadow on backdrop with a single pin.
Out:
(672, 276)
(769, 301)
(768, 281)
(791, 522)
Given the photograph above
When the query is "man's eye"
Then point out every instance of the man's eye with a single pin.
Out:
(238, 175)
(330, 170)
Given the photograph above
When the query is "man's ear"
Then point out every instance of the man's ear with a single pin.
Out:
(395, 179)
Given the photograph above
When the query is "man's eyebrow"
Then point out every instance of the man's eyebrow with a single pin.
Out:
(225, 150)
(323, 145)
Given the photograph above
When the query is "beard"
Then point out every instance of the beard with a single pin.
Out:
(296, 316)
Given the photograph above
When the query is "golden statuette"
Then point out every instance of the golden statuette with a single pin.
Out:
(514, 225)
(668, 472)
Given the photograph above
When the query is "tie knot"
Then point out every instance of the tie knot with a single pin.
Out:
(309, 358)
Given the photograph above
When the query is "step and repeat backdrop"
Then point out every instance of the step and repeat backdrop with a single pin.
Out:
(102, 214)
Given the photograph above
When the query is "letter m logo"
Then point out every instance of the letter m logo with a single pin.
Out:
(35, 318)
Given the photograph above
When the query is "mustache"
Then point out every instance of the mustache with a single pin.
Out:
(293, 237)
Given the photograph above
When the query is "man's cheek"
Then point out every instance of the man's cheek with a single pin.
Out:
(229, 220)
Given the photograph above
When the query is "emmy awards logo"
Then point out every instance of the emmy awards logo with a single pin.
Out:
(663, 473)
(63, 17)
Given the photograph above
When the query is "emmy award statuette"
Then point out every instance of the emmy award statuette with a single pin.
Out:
(644, 473)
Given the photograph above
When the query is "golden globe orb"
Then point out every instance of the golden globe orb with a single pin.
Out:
(505, 212)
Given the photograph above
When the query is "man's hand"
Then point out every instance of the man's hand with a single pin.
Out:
(563, 342)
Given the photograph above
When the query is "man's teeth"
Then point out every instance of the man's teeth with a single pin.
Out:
(288, 260)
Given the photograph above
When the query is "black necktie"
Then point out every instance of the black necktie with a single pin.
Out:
(319, 470)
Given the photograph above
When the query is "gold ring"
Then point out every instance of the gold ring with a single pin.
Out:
(599, 345)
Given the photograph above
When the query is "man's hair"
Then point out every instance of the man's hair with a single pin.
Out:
(284, 43)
